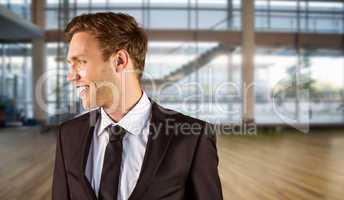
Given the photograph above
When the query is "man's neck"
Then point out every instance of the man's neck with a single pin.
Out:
(128, 100)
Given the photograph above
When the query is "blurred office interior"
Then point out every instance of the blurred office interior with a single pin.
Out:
(276, 64)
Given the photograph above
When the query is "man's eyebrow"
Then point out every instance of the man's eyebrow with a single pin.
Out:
(77, 57)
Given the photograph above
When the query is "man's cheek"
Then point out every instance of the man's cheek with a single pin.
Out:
(83, 72)
(104, 93)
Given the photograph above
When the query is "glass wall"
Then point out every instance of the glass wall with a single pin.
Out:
(157, 14)
(15, 78)
(299, 16)
(211, 88)
(212, 91)
(326, 70)
(281, 15)
(304, 86)
(19, 7)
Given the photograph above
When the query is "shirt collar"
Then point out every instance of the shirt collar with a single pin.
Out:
(134, 121)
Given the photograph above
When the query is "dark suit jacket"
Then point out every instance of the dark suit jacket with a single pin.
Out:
(180, 160)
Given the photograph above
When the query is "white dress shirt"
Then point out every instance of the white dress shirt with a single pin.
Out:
(136, 122)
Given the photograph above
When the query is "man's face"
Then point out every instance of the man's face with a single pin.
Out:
(88, 70)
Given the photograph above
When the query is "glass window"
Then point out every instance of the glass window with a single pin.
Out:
(212, 19)
(275, 97)
(169, 19)
(315, 99)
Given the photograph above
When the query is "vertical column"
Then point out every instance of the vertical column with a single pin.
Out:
(2, 68)
(230, 14)
(300, 54)
(248, 50)
(231, 71)
(343, 55)
(38, 60)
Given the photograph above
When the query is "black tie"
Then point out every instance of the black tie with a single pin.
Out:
(112, 164)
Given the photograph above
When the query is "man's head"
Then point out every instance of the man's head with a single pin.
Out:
(105, 50)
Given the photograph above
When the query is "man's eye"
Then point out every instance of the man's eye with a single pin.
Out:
(82, 62)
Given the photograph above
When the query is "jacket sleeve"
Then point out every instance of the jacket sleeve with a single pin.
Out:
(60, 186)
(204, 181)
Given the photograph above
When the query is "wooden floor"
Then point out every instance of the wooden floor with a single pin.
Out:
(274, 166)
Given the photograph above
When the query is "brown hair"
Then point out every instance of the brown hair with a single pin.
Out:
(114, 31)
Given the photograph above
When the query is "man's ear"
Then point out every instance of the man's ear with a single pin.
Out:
(120, 60)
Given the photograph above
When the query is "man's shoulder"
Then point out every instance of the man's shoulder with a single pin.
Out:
(189, 131)
(176, 116)
(78, 121)
(183, 122)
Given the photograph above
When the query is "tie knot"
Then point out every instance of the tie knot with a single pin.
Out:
(116, 133)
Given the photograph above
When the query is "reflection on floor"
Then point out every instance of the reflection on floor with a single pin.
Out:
(283, 166)
(26, 164)
(269, 166)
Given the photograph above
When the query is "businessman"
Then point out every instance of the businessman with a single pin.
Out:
(126, 146)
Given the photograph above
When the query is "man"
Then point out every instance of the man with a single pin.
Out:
(126, 146)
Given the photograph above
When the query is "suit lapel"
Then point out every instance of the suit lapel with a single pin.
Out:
(86, 131)
(158, 142)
